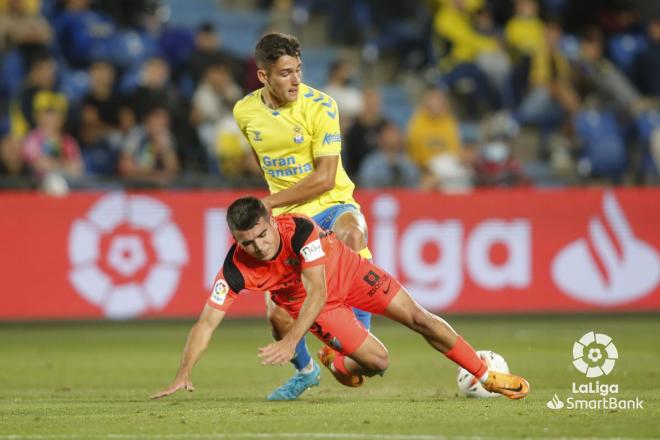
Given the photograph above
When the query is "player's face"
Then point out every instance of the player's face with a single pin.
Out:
(262, 241)
(283, 79)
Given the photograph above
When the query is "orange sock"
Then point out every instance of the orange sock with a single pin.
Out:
(465, 356)
(338, 364)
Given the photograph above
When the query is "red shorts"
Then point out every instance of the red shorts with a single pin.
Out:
(372, 290)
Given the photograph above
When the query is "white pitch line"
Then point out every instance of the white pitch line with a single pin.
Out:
(278, 435)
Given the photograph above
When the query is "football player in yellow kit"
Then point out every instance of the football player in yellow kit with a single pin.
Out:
(294, 133)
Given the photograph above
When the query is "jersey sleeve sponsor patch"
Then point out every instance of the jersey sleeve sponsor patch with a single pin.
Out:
(312, 251)
(220, 290)
(331, 138)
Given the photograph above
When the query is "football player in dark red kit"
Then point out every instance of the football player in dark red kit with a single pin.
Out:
(318, 280)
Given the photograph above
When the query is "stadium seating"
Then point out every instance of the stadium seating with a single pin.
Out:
(190, 13)
(240, 30)
(74, 84)
(316, 65)
(12, 72)
(603, 149)
(623, 48)
(131, 48)
(396, 105)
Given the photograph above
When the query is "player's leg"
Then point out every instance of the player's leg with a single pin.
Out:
(307, 371)
(350, 351)
(441, 336)
(370, 359)
(351, 228)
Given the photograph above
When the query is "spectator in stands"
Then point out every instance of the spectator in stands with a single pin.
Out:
(208, 50)
(155, 90)
(646, 67)
(151, 156)
(98, 110)
(524, 32)
(600, 82)
(340, 86)
(213, 100)
(233, 155)
(11, 158)
(48, 150)
(39, 91)
(434, 143)
(551, 98)
(525, 39)
(388, 166)
(129, 13)
(30, 6)
(83, 34)
(21, 26)
(471, 55)
(495, 164)
(362, 136)
(128, 131)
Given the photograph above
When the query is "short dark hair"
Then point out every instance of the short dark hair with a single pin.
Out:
(273, 46)
(245, 212)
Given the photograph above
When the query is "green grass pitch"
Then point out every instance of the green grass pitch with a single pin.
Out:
(92, 381)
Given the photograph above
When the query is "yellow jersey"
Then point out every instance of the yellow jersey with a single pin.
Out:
(288, 139)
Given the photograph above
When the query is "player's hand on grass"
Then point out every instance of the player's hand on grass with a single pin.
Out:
(178, 384)
(277, 353)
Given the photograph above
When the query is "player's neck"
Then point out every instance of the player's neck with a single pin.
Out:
(270, 100)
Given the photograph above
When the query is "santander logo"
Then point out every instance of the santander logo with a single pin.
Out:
(606, 269)
(126, 255)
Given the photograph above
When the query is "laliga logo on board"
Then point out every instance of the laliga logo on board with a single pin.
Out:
(594, 354)
(630, 273)
(126, 255)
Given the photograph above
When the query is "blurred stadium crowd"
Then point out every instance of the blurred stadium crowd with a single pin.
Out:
(446, 94)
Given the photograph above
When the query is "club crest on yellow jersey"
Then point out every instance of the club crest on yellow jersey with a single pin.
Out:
(298, 138)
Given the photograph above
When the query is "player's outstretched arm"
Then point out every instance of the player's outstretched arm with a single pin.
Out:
(320, 181)
(198, 339)
(281, 352)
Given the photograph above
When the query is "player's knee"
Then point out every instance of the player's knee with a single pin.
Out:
(377, 363)
(353, 238)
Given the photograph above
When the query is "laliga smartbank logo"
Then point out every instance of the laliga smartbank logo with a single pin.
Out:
(594, 355)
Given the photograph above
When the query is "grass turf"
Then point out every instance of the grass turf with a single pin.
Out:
(92, 380)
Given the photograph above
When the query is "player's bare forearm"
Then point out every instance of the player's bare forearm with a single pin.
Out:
(280, 352)
(198, 338)
(196, 343)
(314, 303)
(307, 189)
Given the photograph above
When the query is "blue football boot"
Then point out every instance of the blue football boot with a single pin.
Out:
(297, 385)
